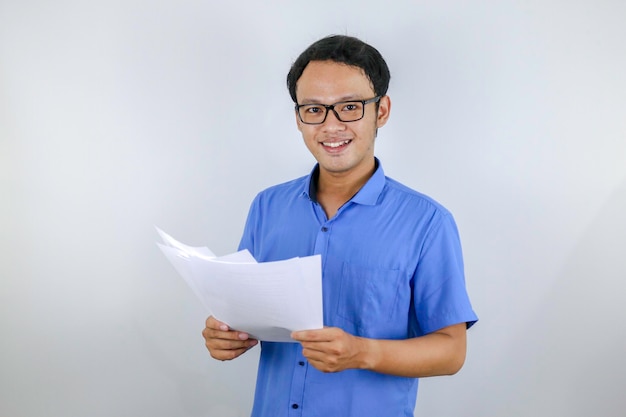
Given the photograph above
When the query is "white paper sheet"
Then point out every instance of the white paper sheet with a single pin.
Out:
(268, 300)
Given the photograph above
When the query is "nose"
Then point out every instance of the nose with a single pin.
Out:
(332, 121)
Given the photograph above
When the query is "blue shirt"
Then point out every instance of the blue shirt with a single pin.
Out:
(392, 268)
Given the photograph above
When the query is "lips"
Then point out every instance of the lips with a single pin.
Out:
(337, 144)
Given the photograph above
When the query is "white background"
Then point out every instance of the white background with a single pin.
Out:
(116, 116)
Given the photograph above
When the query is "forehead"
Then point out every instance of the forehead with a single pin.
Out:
(329, 81)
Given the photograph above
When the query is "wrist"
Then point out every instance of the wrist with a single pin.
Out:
(369, 354)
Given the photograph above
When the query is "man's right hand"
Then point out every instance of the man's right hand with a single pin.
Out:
(223, 343)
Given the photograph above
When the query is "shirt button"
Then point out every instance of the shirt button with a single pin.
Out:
(294, 406)
(324, 229)
(301, 363)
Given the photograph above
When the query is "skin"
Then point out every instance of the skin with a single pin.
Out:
(343, 171)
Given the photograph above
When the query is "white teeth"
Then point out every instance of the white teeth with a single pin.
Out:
(335, 144)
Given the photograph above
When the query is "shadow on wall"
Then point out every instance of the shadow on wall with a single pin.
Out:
(570, 359)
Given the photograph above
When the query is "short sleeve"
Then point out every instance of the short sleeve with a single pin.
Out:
(439, 292)
(247, 238)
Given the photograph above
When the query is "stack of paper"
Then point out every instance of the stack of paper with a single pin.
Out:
(268, 300)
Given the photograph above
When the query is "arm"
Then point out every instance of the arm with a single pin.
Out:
(438, 353)
(223, 343)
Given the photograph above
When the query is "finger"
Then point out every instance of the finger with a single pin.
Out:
(217, 329)
(323, 366)
(223, 344)
(229, 354)
(317, 350)
(318, 335)
(226, 350)
(210, 333)
(213, 323)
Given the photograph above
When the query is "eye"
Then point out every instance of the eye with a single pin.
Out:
(314, 109)
(350, 107)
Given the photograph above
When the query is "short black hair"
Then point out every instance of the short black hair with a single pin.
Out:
(346, 50)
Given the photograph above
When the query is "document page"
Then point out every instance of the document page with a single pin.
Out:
(268, 300)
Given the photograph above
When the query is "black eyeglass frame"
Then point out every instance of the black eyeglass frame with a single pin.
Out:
(332, 107)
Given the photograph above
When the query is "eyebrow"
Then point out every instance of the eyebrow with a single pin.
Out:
(350, 97)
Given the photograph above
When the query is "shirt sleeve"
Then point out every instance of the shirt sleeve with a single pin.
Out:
(439, 294)
(247, 238)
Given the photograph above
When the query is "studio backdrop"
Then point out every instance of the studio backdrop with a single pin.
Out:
(118, 116)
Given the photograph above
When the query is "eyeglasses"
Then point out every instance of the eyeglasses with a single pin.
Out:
(345, 111)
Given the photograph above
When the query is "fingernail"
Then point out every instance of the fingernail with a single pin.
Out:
(224, 327)
(242, 336)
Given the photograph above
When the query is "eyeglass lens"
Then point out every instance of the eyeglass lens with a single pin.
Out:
(348, 111)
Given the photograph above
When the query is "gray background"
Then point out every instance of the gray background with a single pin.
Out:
(117, 116)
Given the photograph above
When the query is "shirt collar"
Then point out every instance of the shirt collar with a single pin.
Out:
(367, 195)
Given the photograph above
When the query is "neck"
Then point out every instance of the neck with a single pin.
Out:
(335, 189)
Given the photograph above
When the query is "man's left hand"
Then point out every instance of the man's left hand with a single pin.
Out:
(331, 349)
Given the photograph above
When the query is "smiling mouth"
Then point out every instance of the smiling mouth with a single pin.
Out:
(336, 144)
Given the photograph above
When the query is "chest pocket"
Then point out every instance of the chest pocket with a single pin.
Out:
(369, 297)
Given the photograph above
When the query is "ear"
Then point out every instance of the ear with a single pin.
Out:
(384, 108)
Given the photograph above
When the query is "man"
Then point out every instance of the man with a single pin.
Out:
(395, 304)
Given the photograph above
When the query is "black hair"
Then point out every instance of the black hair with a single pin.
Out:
(346, 50)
